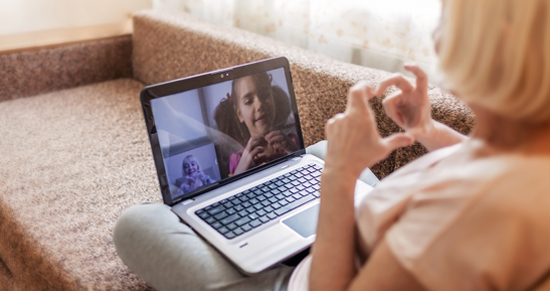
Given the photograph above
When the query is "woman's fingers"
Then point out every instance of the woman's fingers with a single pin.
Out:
(391, 109)
(397, 140)
(398, 81)
(421, 77)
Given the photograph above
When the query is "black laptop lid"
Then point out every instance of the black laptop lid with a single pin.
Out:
(211, 129)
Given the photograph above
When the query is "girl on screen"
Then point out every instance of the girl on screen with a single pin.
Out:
(252, 115)
(193, 177)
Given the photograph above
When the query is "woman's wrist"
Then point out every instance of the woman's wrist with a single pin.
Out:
(425, 131)
(338, 177)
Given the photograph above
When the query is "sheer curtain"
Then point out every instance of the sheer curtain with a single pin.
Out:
(373, 33)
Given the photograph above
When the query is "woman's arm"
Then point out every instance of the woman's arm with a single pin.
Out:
(353, 144)
(410, 109)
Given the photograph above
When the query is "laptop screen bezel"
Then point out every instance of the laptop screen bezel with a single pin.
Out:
(206, 79)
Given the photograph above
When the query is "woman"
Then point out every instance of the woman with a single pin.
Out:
(471, 215)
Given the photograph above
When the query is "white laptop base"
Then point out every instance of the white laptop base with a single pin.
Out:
(270, 243)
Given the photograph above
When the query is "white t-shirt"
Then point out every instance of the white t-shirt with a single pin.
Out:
(456, 222)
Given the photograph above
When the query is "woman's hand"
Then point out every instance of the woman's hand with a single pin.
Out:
(253, 148)
(279, 141)
(410, 106)
(353, 140)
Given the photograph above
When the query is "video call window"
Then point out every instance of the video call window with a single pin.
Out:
(221, 130)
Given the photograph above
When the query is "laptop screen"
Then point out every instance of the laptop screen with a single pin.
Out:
(221, 130)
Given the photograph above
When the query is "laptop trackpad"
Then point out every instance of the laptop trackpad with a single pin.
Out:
(305, 222)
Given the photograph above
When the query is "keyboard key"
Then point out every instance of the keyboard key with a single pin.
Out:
(255, 223)
(277, 191)
(300, 187)
(266, 203)
(264, 219)
(276, 205)
(258, 206)
(243, 198)
(288, 193)
(307, 184)
(238, 208)
(258, 192)
(246, 227)
(280, 196)
(203, 214)
(250, 195)
(294, 190)
(302, 180)
(253, 201)
(317, 194)
(229, 235)
(250, 209)
(217, 209)
(273, 199)
(223, 230)
(228, 204)
(279, 183)
(261, 212)
(210, 220)
(221, 215)
(238, 231)
(216, 225)
(246, 204)
(230, 219)
(290, 199)
(231, 226)
(231, 211)
(283, 202)
(253, 216)
(272, 215)
(265, 189)
(294, 204)
(268, 209)
(242, 221)
(261, 198)
(297, 196)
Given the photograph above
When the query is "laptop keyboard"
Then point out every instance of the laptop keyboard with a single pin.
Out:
(243, 212)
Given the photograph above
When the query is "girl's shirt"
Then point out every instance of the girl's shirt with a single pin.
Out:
(457, 223)
(236, 156)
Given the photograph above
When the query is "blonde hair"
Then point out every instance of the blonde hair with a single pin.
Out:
(496, 54)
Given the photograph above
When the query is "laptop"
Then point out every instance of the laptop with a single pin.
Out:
(231, 161)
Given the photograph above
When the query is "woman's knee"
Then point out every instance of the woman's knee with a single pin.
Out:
(139, 224)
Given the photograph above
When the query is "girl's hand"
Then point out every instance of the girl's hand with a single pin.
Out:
(410, 106)
(253, 148)
(353, 140)
(279, 141)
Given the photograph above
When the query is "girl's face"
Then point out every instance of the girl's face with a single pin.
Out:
(191, 168)
(255, 106)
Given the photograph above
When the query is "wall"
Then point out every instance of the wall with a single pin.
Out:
(30, 23)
